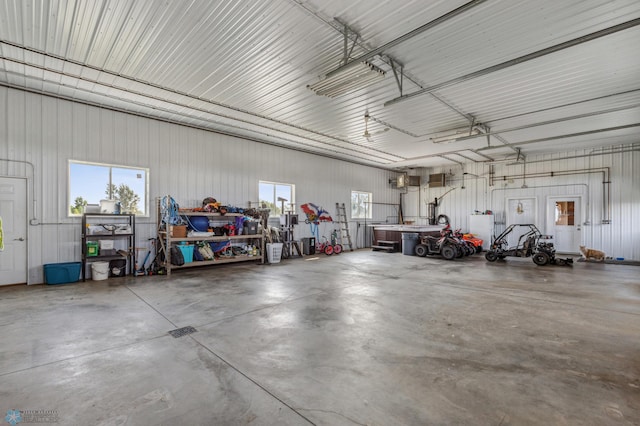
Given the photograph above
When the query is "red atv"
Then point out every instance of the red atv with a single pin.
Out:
(477, 242)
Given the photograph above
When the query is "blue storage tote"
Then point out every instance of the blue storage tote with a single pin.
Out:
(62, 273)
(187, 252)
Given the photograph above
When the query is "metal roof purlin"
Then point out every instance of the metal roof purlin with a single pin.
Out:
(544, 123)
(409, 35)
(546, 51)
(568, 135)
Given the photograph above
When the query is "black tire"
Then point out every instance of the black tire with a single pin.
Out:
(491, 256)
(541, 258)
(421, 250)
(459, 251)
(448, 251)
(478, 249)
(471, 249)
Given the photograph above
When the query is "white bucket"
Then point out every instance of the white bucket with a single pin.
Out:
(274, 252)
(99, 271)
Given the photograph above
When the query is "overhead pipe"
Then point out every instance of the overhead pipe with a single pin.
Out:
(606, 184)
(587, 219)
(34, 220)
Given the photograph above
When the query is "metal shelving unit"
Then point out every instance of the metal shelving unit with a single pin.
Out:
(110, 227)
(166, 240)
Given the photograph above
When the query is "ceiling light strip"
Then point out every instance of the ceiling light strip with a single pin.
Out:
(351, 79)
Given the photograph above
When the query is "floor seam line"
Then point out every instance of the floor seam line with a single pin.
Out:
(237, 370)
(151, 306)
(84, 355)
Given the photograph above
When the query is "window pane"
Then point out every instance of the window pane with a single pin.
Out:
(565, 213)
(90, 183)
(128, 187)
(269, 192)
(87, 183)
(361, 205)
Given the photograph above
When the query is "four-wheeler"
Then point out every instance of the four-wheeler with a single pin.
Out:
(531, 243)
(445, 245)
(477, 242)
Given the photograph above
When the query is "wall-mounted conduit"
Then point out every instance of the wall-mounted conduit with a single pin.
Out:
(606, 184)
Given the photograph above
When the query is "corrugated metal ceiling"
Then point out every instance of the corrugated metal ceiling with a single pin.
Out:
(242, 68)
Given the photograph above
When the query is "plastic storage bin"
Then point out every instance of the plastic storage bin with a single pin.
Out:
(309, 246)
(62, 273)
(250, 227)
(99, 271)
(117, 268)
(409, 242)
(187, 252)
(274, 252)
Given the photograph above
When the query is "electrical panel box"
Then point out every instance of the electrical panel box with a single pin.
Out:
(437, 180)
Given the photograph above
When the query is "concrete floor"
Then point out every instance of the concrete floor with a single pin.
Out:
(361, 338)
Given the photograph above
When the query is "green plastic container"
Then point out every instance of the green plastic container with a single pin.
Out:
(92, 248)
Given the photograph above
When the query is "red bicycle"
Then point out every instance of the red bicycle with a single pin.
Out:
(329, 247)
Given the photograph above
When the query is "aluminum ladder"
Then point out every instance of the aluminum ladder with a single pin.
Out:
(344, 227)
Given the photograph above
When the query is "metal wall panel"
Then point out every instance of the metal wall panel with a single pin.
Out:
(189, 164)
(618, 238)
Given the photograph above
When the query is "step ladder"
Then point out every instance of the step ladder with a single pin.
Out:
(344, 236)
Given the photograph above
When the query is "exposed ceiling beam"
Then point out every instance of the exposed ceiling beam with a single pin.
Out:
(528, 57)
(565, 136)
(544, 123)
(370, 54)
(509, 117)
(450, 159)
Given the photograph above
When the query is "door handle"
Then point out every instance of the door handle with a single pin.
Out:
(18, 239)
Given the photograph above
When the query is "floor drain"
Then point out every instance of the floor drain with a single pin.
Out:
(179, 332)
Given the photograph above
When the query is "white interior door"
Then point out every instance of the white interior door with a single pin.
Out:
(13, 211)
(564, 223)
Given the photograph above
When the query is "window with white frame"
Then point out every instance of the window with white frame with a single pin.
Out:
(91, 182)
(361, 205)
(272, 194)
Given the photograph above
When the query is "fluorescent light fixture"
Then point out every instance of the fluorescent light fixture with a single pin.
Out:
(454, 135)
(350, 79)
